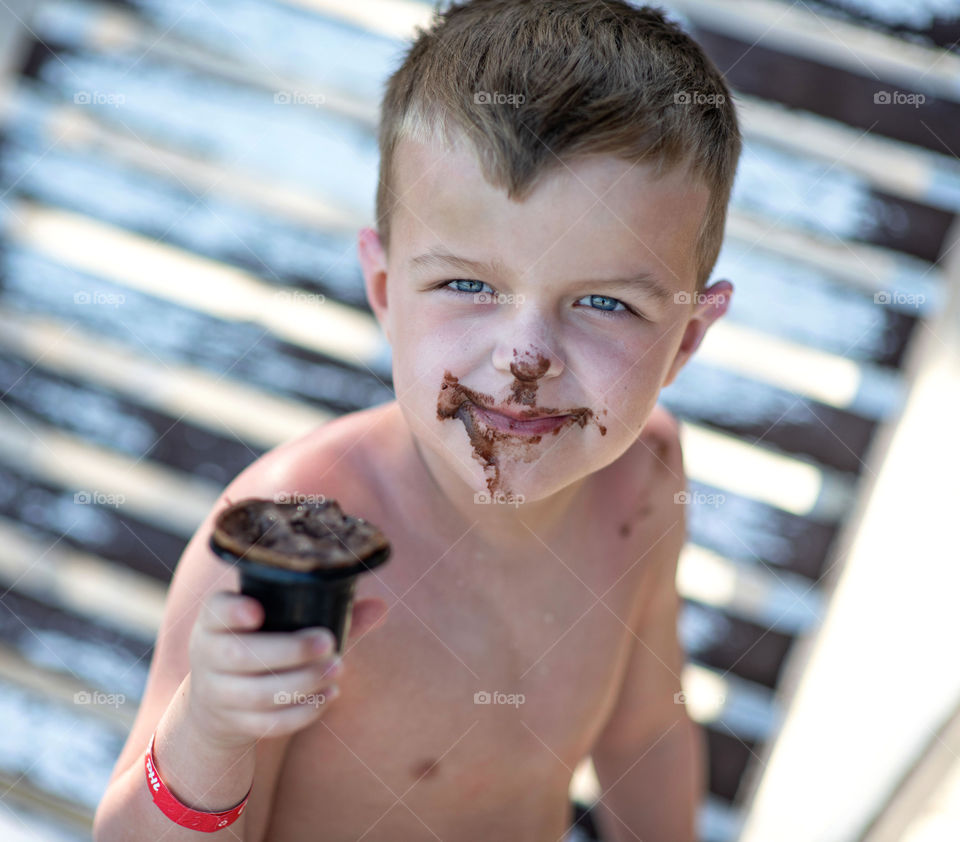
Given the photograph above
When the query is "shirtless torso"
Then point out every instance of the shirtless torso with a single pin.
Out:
(409, 751)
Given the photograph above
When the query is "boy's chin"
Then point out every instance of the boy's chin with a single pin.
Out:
(516, 487)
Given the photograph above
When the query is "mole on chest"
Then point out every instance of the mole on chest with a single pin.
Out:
(425, 768)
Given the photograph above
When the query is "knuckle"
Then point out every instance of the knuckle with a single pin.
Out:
(230, 652)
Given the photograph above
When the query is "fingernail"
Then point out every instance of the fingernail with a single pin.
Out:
(322, 641)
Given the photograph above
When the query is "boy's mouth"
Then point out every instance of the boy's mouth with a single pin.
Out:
(529, 423)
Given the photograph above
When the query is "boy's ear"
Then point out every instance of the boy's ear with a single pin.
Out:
(373, 262)
(711, 304)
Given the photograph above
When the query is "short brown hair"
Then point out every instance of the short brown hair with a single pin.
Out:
(595, 77)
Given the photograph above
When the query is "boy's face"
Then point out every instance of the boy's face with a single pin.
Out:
(548, 334)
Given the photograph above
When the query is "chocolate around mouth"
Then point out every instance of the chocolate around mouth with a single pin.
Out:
(305, 537)
(491, 445)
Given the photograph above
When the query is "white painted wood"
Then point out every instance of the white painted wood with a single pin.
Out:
(880, 676)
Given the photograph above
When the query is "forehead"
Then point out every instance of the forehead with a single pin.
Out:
(590, 215)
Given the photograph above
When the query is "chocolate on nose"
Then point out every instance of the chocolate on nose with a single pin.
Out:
(530, 371)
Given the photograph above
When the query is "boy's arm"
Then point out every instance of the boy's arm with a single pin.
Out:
(650, 757)
(206, 777)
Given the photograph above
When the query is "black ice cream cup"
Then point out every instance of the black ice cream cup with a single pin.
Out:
(297, 599)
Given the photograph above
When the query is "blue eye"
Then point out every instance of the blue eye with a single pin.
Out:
(598, 303)
(472, 291)
(616, 305)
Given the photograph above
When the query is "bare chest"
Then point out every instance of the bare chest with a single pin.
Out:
(465, 714)
(481, 692)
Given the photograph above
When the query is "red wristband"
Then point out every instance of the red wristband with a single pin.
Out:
(180, 813)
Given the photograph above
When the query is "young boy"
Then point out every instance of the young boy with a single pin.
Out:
(553, 194)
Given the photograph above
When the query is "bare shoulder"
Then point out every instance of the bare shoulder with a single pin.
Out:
(658, 530)
(668, 479)
(653, 464)
(332, 452)
(660, 438)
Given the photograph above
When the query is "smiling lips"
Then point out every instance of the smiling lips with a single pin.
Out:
(530, 423)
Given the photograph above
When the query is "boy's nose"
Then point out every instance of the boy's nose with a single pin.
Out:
(530, 362)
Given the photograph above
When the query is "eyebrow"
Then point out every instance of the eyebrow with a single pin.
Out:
(643, 281)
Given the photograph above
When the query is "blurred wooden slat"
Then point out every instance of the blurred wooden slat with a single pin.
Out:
(933, 24)
(219, 404)
(160, 270)
(31, 813)
(920, 175)
(171, 499)
(120, 423)
(795, 30)
(169, 332)
(99, 590)
(57, 640)
(110, 531)
(42, 731)
(716, 638)
(58, 686)
(773, 599)
(737, 527)
(801, 82)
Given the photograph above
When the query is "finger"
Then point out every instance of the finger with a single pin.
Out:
(266, 692)
(368, 614)
(263, 652)
(229, 611)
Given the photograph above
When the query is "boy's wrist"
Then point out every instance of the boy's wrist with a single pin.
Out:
(203, 772)
(202, 733)
(204, 820)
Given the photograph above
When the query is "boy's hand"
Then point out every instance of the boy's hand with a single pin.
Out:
(244, 684)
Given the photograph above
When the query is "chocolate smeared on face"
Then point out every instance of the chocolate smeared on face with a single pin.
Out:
(491, 446)
(527, 372)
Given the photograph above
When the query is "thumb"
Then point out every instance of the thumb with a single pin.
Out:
(367, 614)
